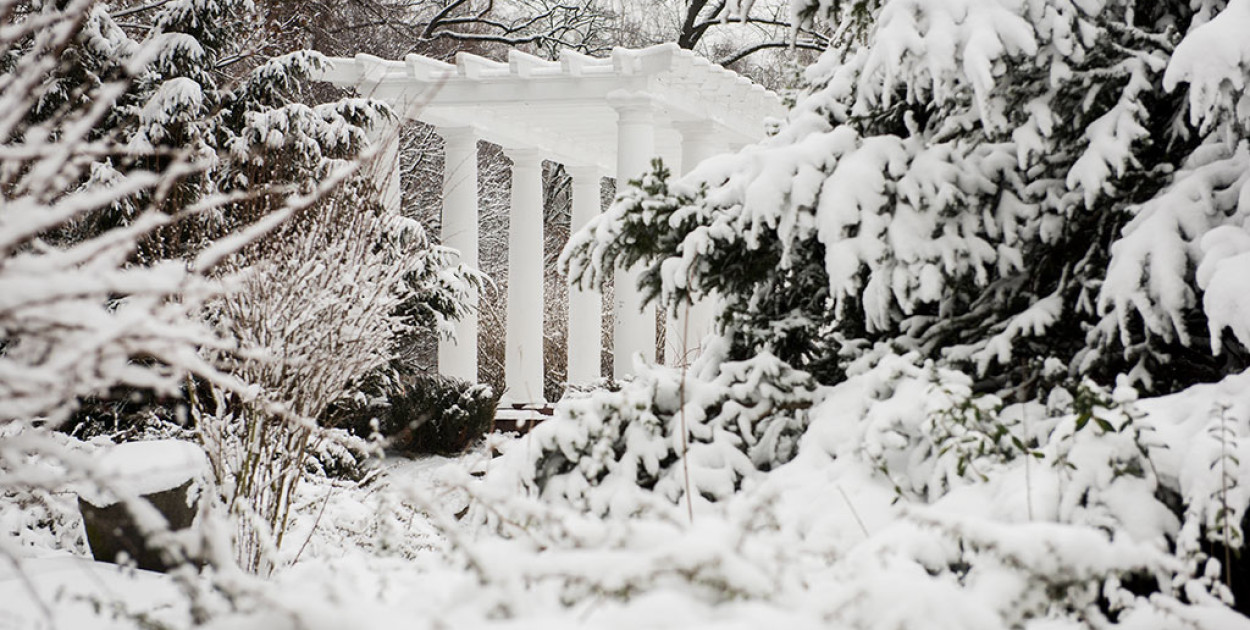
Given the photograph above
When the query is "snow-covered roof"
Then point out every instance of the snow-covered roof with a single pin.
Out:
(564, 108)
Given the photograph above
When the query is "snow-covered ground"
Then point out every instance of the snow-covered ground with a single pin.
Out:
(895, 513)
(63, 590)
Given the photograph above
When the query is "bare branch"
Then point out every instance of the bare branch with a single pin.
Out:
(501, 39)
(139, 9)
(750, 50)
(439, 17)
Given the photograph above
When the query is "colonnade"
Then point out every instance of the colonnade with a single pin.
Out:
(598, 116)
(638, 131)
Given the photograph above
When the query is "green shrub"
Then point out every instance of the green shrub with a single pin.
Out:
(128, 414)
(429, 415)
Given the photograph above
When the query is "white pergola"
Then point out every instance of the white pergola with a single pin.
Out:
(600, 117)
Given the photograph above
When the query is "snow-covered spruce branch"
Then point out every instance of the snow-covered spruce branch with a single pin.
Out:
(952, 185)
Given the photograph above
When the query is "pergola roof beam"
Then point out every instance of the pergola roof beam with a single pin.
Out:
(562, 107)
(576, 64)
(525, 65)
(472, 66)
(425, 69)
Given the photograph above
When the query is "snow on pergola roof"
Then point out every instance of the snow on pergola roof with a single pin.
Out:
(568, 108)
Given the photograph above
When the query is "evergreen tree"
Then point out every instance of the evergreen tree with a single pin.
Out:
(199, 90)
(1017, 189)
(81, 318)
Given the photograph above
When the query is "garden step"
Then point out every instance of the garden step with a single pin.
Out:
(520, 418)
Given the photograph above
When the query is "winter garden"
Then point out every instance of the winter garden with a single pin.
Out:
(978, 357)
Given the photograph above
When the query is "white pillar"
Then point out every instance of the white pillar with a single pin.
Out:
(698, 142)
(668, 144)
(634, 332)
(693, 321)
(523, 352)
(458, 358)
(585, 307)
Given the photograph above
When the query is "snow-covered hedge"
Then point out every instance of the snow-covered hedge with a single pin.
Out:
(911, 502)
(667, 435)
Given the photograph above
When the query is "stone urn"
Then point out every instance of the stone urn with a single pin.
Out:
(168, 474)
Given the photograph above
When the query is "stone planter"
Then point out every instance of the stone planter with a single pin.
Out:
(168, 474)
(111, 530)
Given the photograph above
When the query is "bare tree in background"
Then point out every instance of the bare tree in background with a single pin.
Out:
(756, 37)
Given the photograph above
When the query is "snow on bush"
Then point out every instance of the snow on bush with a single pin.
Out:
(1185, 244)
(948, 235)
(142, 245)
(911, 502)
(978, 213)
(1069, 514)
(310, 311)
(1215, 59)
(997, 185)
(667, 436)
(82, 312)
(319, 314)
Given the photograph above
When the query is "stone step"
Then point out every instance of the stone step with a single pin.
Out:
(521, 418)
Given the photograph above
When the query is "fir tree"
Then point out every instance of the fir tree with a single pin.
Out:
(199, 90)
(1006, 187)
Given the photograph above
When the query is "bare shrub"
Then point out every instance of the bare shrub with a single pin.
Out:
(319, 308)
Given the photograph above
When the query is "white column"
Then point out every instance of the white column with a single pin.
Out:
(698, 142)
(585, 310)
(668, 144)
(523, 352)
(634, 332)
(458, 358)
(693, 321)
